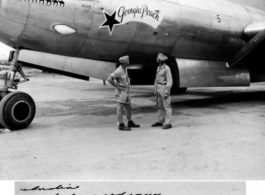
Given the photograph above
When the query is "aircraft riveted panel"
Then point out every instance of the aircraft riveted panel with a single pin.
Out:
(229, 20)
(12, 25)
(110, 34)
(57, 26)
(256, 15)
(227, 15)
(195, 24)
(259, 4)
(208, 26)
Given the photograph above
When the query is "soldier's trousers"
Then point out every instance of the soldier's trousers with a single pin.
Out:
(164, 112)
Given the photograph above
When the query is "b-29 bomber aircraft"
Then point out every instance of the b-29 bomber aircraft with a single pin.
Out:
(210, 43)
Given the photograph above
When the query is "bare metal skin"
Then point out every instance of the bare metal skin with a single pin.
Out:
(202, 38)
(202, 29)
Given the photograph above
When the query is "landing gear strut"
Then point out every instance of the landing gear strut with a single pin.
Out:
(17, 109)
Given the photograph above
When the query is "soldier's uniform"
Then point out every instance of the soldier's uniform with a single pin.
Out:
(163, 84)
(121, 77)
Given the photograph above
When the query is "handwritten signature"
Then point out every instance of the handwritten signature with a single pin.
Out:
(124, 193)
(59, 187)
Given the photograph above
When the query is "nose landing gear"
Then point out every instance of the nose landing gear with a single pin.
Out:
(17, 109)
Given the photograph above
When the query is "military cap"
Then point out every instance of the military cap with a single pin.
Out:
(162, 57)
(124, 59)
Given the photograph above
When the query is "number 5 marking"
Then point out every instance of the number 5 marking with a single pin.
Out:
(219, 18)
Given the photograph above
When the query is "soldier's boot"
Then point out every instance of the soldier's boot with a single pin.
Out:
(167, 126)
(122, 127)
(157, 124)
(132, 124)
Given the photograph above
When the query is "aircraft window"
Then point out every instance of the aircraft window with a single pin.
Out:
(47, 2)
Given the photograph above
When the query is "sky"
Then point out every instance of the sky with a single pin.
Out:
(4, 51)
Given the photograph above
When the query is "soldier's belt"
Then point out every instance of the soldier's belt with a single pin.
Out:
(160, 83)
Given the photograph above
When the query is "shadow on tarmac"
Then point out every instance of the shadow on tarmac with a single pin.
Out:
(103, 107)
(219, 98)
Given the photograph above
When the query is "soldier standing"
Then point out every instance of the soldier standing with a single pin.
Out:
(122, 86)
(162, 85)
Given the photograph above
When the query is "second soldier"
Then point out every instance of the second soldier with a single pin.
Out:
(162, 87)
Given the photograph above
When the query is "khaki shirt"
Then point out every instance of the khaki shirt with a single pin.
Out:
(164, 77)
(121, 77)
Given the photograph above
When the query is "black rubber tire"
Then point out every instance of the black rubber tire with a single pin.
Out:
(17, 110)
(2, 126)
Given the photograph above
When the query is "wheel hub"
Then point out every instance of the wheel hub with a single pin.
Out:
(21, 111)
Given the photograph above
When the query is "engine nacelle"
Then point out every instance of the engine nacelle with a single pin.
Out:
(203, 73)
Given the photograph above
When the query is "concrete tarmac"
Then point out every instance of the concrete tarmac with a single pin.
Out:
(217, 134)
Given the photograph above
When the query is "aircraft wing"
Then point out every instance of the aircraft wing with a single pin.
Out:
(254, 48)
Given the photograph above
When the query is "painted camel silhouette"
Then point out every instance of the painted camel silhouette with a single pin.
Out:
(61, 3)
(48, 2)
(55, 2)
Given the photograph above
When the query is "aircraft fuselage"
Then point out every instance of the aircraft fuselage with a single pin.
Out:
(105, 30)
